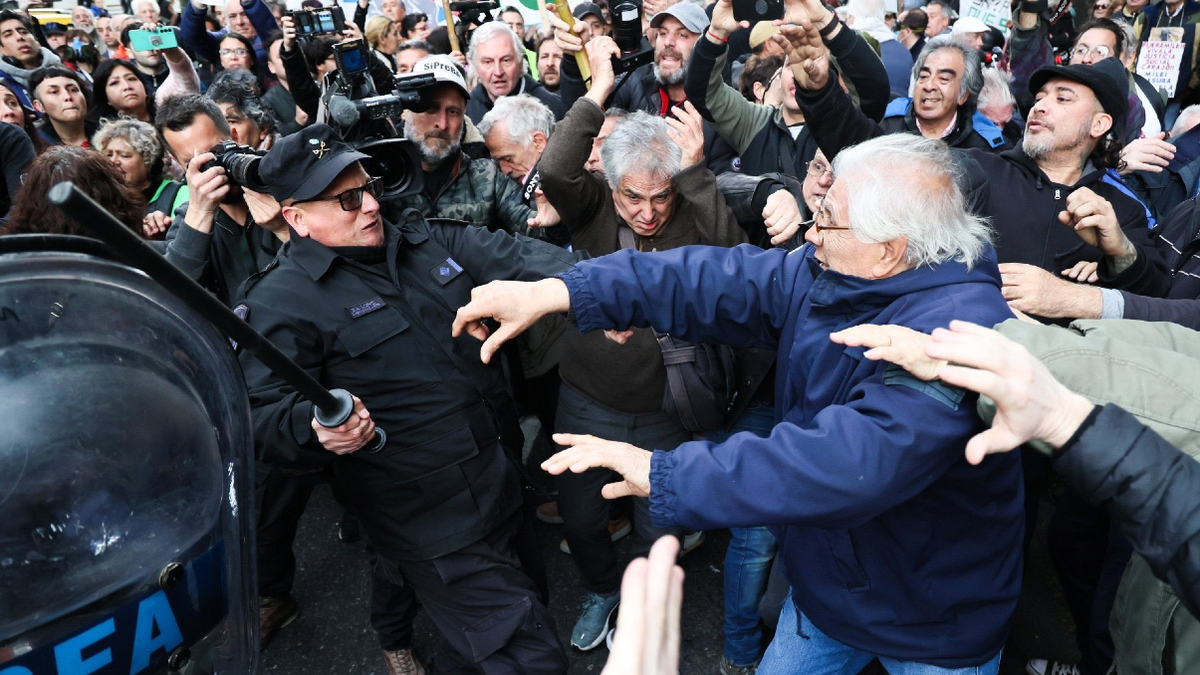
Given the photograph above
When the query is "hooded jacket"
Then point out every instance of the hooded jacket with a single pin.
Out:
(892, 542)
(21, 75)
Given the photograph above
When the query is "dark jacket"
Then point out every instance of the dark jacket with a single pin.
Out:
(476, 192)
(1151, 490)
(16, 153)
(756, 132)
(640, 91)
(900, 119)
(893, 543)
(1163, 191)
(280, 101)
(629, 378)
(1180, 234)
(1022, 202)
(382, 332)
(220, 260)
(480, 103)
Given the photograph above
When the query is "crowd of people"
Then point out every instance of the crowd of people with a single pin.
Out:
(822, 212)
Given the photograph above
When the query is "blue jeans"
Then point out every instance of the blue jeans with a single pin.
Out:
(809, 651)
(747, 561)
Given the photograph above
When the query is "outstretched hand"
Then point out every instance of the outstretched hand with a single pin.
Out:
(517, 305)
(588, 452)
(808, 57)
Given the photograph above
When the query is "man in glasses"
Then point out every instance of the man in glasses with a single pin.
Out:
(366, 305)
(860, 454)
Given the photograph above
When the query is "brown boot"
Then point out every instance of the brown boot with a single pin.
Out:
(273, 614)
(403, 662)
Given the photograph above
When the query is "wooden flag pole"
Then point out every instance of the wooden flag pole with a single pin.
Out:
(450, 32)
(585, 68)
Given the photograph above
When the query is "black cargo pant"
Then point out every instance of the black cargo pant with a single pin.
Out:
(485, 607)
(281, 499)
(584, 510)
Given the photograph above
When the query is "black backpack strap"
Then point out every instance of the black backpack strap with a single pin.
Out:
(677, 388)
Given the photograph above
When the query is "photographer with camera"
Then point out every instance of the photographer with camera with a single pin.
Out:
(226, 232)
(497, 56)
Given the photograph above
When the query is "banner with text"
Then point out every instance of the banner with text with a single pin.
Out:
(995, 13)
(1159, 63)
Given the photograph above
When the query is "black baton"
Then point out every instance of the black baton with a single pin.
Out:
(331, 407)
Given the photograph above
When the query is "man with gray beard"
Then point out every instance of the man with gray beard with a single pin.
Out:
(1053, 203)
(457, 186)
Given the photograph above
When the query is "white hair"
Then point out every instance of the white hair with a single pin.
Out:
(1186, 120)
(490, 30)
(995, 91)
(903, 185)
(640, 142)
(523, 115)
(865, 9)
(137, 5)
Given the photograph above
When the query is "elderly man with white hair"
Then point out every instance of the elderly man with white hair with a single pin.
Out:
(516, 130)
(497, 57)
(895, 546)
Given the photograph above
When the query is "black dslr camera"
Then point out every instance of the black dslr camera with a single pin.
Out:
(311, 23)
(240, 163)
(636, 50)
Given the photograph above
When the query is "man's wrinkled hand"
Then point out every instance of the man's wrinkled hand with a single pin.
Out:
(902, 346)
(782, 216)
(547, 215)
(351, 435)
(1030, 403)
(687, 130)
(588, 452)
(809, 57)
(516, 305)
(1035, 291)
(1152, 154)
(1094, 220)
(570, 39)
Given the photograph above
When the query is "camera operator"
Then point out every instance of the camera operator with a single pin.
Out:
(226, 232)
(456, 186)
(497, 56)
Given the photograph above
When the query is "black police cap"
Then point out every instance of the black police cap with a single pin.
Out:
(303, 164)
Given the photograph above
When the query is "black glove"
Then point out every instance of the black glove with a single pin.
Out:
(1033, 6)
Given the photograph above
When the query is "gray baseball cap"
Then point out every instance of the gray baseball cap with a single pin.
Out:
(690, 15)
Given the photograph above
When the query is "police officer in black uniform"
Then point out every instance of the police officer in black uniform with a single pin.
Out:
(367, 306)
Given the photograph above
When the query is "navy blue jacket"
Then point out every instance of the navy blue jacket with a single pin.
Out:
(893, 543)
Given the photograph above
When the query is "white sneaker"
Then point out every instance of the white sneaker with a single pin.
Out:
(1046, 667)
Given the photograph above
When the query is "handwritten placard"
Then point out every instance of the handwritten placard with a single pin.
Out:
(1159, 63)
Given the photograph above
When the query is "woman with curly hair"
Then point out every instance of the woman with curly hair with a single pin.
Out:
(135, 149)
(91, 173)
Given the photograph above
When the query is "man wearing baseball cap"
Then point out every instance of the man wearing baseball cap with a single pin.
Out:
(367, 306)
(456, 186)
(655, 87)
(972, 30)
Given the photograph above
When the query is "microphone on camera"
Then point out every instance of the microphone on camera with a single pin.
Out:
(342, 111)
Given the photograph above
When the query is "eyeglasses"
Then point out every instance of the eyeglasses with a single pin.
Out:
(233, 52)
(1098, 52)
(817, 169)
(1095, 7)
(352, 199)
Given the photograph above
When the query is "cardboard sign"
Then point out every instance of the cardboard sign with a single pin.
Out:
(1159, 63)
(995, 13)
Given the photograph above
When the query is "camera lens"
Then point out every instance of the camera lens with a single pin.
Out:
(242, 168)
(627, 26)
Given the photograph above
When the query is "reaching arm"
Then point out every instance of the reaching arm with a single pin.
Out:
(863, 68)
(194, 35)
(739, 296)
(571, 189)
(304, 89)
